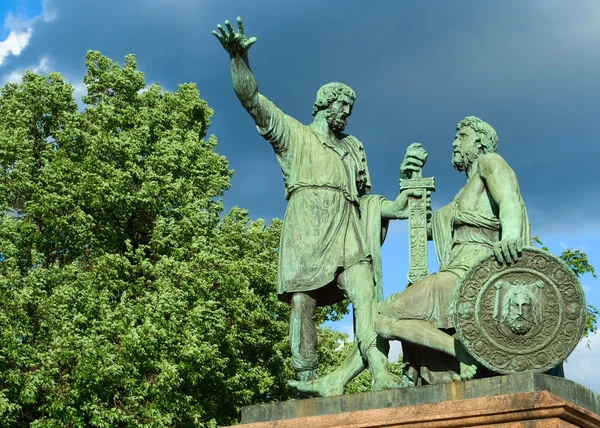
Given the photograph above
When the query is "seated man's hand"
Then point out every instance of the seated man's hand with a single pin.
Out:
(508, 249)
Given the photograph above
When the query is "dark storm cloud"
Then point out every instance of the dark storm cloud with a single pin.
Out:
(529, 68)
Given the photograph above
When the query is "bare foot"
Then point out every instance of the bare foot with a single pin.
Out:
(388, 381)
(317, 388)
(468, 365)
(467, 371)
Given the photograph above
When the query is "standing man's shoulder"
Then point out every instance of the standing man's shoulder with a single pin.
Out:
(277, 127)
(354, 145)
(351, 139)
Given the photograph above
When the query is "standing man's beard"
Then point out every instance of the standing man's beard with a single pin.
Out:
(336, 120)
(462, 160)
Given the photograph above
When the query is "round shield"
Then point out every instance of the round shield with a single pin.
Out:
(526, 316)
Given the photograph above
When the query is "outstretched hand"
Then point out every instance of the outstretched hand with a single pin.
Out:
(234, 43)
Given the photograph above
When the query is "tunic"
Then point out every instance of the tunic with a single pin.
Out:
(322, 234)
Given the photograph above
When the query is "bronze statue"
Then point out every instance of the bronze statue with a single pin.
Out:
(333, 228)
(487, 214)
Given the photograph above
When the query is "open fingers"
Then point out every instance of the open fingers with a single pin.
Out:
(222, 30)
(229, 27)
(250, 42)
(218, 36)
(240, 25)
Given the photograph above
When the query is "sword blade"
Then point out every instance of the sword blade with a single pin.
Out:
(417, 239)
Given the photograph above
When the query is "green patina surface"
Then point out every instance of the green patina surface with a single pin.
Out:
(333, 228)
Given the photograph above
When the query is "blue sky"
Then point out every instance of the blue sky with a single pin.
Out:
(530, 68)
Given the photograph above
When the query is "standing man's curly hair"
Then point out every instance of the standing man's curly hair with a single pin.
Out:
(329, 93)
(487, 135)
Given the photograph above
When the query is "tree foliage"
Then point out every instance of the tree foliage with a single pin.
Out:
(577, 260)
(127, 297)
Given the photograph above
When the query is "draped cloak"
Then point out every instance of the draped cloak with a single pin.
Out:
(459, 235)
(330, 223)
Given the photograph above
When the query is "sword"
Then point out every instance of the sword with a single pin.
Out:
(417, 224)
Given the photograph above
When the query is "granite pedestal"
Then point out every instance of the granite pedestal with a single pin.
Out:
(519, 400)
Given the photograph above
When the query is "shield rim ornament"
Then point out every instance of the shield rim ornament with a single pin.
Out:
(474, 293)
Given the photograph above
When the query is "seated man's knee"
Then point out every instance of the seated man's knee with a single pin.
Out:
(382, 327)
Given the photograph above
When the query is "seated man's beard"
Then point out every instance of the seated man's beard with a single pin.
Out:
(336, 121)
(462, 159)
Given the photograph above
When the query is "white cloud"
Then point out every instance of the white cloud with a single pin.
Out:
(79, 89)
(49, 13)
(42, 67)
(21, 30)
(582, 364)
(16, 75)
(14, 44)
(395, 350)
(347, 329)
(146, 88)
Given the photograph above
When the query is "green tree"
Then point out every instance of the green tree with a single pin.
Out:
(577, 260)
(127, 297)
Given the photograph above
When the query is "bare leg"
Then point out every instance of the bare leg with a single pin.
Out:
(357, 282)
(423, 333)
(303, 336)
(334, 382)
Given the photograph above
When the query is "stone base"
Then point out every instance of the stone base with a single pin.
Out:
(520, 400)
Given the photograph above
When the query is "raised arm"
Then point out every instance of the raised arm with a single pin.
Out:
(244, 82)
(502, 184)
